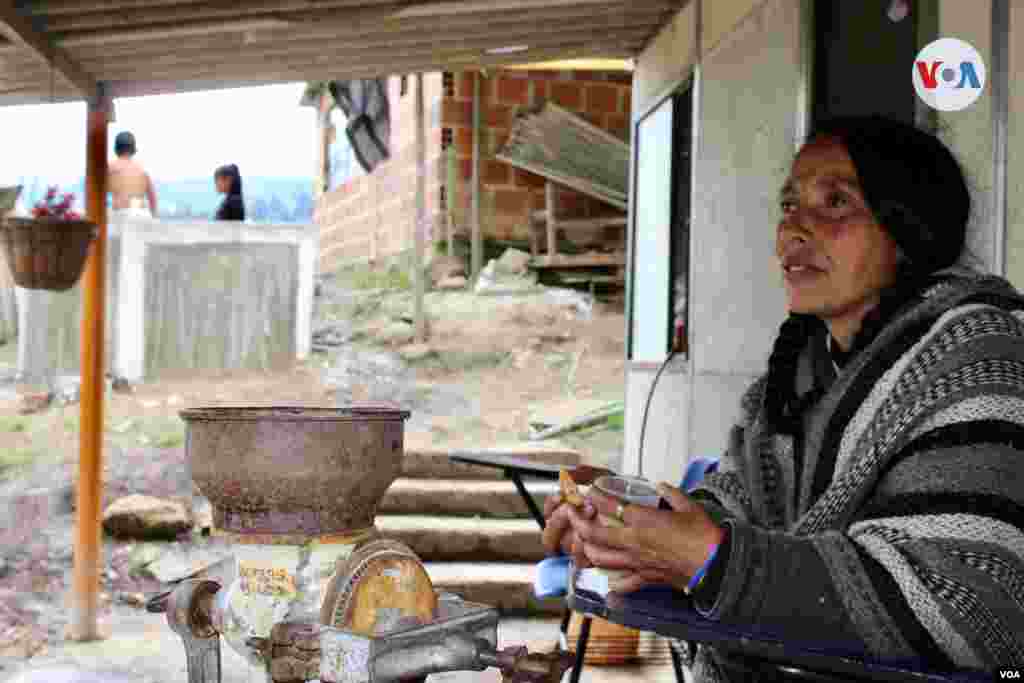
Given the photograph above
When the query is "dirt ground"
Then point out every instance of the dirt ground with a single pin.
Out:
(491, 363)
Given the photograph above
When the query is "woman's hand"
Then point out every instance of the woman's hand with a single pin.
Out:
(558, 536)
(654, 546)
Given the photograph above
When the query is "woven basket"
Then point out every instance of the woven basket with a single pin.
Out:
(609, 644)
(46, 253)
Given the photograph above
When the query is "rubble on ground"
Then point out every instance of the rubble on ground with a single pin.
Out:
(146, 517)
(446, 268)
(452, 283)
(495, 280)
(514, 262)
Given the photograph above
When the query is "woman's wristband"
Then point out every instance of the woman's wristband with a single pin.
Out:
(698, 576)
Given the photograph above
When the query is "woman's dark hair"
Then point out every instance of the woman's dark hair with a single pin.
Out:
(230, 171)
(918, 193)
(233, 206)
(124, 144)
(912, 183)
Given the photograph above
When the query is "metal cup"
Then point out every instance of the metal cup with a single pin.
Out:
(628, 491)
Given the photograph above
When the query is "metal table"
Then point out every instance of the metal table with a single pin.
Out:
(515, 468)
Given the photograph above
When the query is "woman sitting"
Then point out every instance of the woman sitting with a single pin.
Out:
(871, 495)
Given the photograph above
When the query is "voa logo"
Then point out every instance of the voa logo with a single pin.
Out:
(949, 74)
(1009, 674)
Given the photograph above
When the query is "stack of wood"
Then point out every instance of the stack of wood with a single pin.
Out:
(564, 148)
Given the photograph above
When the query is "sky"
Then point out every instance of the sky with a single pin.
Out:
(263, 130)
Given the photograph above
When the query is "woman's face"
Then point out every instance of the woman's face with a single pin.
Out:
(223, 183)
(835, 257)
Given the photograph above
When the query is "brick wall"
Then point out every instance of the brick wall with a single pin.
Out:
(372, 217)
(601, 98)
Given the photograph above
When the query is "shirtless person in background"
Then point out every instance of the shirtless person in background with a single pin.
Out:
(128, 181)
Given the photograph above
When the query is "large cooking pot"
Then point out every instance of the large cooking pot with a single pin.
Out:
(294, 470)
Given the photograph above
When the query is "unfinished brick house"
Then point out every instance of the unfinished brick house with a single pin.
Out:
(365, 218)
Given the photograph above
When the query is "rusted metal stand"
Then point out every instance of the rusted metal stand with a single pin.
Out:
(462, 639)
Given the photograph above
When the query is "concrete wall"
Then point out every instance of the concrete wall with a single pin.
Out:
(180, 297)
(969, 132)
(746, 132)
(1015, 170)
(372, 216)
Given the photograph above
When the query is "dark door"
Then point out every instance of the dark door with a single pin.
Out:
(864, 59)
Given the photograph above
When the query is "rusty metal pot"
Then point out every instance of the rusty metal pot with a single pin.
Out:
(294, 470)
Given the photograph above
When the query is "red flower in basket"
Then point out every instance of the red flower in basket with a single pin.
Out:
(52, 207)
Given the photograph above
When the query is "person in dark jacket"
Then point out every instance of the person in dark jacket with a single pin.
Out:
(870, 496)
(229, 183)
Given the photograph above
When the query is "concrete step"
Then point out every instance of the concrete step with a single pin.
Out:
(465, 539)
(434, 463)
(508, 586)
(463, 497)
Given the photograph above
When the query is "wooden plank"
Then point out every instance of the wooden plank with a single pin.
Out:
(421, 212)
(467, 50)
(551, 204)
(562, 147)
(592, 223)
(476, 238)
(572, 183)
(319, 30)
(580, 261)
(531, 229)
(366, 64)
(20, 30)
(234, 47)
(354, 10)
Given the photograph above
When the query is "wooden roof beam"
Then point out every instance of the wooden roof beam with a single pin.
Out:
(20, 29)
(400, 46)
(300, 11)
(372, 66)
(100, 45)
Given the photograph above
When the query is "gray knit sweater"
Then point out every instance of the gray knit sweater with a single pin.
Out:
(915, 550)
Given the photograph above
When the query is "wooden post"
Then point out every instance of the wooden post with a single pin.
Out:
(421, 212)
(534, 247)
(86, 582)
(477, 246)
(551, 204)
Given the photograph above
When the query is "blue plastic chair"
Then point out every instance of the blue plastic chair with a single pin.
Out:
(552, 579)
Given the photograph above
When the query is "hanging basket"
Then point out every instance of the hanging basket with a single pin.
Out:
(46, 253)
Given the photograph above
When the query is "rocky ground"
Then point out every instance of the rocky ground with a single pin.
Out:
(497, 364)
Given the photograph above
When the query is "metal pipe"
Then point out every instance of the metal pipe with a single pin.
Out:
(86, 580)
(456, 652)
(476, 239)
